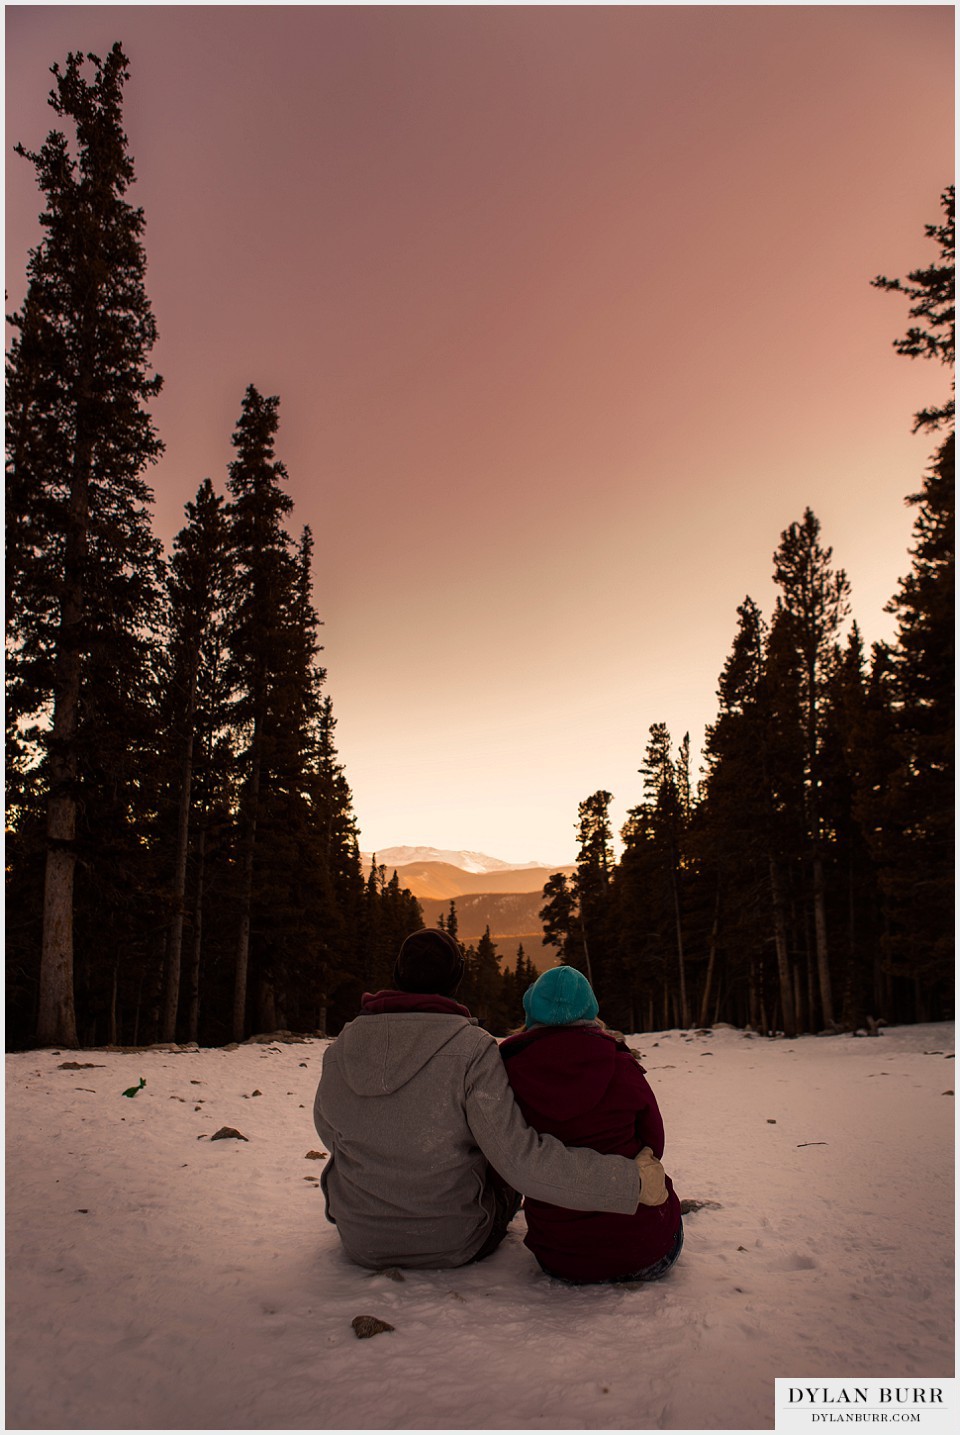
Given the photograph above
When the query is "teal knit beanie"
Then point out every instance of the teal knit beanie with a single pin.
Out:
(559, 996)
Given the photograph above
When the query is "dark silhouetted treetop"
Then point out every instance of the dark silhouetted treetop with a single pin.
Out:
(931, 294)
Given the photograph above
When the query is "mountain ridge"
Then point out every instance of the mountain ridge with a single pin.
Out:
(504, 897)
(442, 881)
(465, 860)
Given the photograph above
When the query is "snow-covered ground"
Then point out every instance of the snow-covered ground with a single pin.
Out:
(158, 1279)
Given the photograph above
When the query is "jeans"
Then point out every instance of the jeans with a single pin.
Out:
(507, 1205)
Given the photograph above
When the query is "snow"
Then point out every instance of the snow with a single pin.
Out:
(467, 861)
(157, 1279)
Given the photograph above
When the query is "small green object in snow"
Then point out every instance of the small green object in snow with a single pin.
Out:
(132, 1090)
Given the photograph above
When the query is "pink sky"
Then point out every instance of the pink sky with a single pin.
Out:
(569, 313)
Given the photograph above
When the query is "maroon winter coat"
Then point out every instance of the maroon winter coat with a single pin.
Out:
(582, 1085)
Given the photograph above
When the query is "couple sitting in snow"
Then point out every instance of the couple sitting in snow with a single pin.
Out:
(426, 1121)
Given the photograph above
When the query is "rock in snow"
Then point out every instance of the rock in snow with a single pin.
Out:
(228, 1133)
(366, 1325)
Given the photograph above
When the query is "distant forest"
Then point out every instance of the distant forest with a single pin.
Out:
(182, 853)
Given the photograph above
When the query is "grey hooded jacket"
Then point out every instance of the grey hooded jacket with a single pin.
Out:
(412, 1106)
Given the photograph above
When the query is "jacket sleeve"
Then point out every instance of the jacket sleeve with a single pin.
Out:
(323, 1128)
(540, 1166)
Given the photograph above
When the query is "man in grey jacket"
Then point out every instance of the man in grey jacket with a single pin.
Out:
(415, 1109)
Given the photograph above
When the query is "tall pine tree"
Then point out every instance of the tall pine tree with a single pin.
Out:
(263, 572)
(195, 699)
(918, 876)
(814, 601)
(83, 568)
(594, 872)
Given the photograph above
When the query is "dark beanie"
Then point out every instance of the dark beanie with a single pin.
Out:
(429, 961)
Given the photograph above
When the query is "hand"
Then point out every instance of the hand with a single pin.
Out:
(653, 1179)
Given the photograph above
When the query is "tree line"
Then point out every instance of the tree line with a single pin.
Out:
(182, 853)
(807, 883)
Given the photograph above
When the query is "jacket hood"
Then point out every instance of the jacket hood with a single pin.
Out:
(576, 1064)
(382, 1050)
(387, 1001)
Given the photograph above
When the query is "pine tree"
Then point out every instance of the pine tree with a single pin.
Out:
(262, 575)
(486, 983)
(513, 984)
(739, 830)
(814, 601)
(376, 956)
(857, 752)
(667, 815)
(922, 792)
(83, 568)
(560, 918)
(594, 872)
(332, 882)
(389, 914)
(919, 881)
(194, 698)
(931, 292)
(526, 973)
(643, 960)
(877, 798)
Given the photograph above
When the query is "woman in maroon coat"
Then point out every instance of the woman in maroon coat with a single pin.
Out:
(575, 1080)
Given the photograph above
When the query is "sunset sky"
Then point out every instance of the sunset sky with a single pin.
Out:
(569, 313)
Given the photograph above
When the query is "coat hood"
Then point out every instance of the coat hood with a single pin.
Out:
(573, 1066)
(383, 1050)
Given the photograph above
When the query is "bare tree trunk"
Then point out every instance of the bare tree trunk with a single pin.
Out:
(764, 1023)
(684, 1007)
(193, 973)
(56, 1015)
(853, 1007)
(586, 949)
(811, 983)
(171, 991)
(266, 1006)
(711, 961)
(820, 933)
(246, 898)
(136, 1014)
(175, 939)
(112, 1027)
(798, 998)
(921, 1008)
(881, 981)
(753, 1007)
(783, 956)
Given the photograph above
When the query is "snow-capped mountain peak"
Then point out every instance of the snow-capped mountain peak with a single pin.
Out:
(466, 861)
